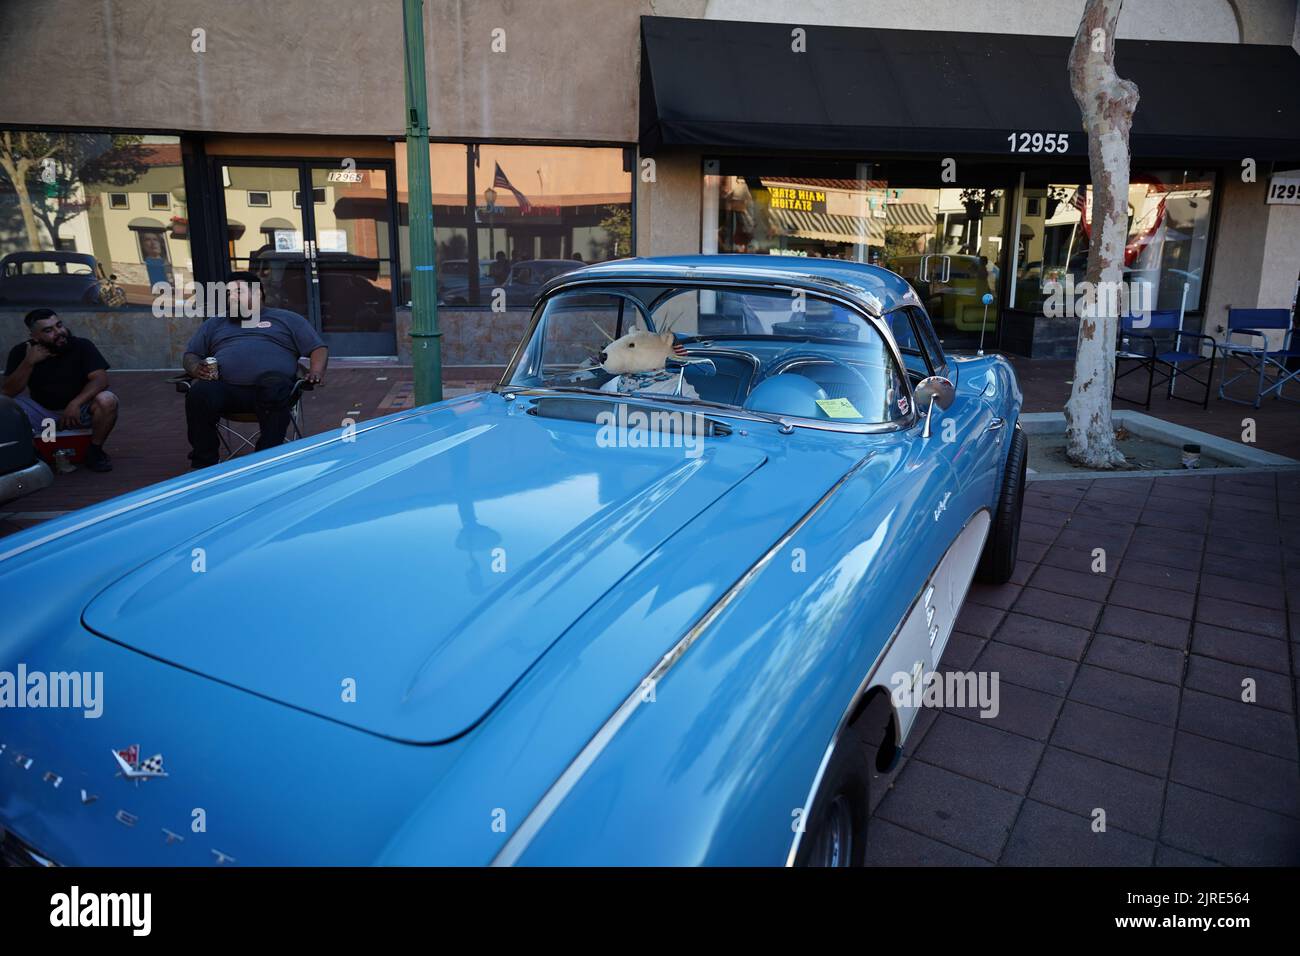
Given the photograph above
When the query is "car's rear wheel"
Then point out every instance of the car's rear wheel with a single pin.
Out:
(835, 832)
(999, 558)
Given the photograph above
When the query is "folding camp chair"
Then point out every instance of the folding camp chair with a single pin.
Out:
(233, 441)
(1257, 358)
(1158, 343)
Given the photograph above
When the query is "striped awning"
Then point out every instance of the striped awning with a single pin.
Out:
(827, 227)
(910, 215)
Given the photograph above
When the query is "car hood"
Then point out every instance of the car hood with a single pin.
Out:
(405, 593)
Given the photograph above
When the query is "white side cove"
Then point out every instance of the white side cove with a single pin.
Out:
(918, 643)
(924, 632)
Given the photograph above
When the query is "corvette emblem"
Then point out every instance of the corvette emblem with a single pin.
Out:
(132, 768)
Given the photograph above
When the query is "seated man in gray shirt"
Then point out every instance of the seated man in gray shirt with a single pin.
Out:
(257, 352)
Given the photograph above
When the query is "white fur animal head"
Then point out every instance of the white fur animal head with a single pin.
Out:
(638, 351)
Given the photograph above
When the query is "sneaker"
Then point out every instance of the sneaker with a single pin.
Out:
(98, 460)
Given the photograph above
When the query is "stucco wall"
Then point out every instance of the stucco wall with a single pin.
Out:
(1256, 253)
(1281, 268)
(668, 209)
(293, 66)
(569, 68)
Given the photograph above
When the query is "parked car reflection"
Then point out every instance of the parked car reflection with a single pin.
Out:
(50, 278)
(354, 294)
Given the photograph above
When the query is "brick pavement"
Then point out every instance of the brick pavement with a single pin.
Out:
(1120, 690)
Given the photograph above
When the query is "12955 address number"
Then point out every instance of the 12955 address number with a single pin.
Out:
(1039, 142)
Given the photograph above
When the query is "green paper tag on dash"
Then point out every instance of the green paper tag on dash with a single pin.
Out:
(838, 408)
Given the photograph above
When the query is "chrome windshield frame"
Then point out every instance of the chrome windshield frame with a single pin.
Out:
(728, 278)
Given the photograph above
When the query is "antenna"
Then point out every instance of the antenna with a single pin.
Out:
(987, 300)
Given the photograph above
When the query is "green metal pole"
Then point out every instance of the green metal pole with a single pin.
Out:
(426, 340)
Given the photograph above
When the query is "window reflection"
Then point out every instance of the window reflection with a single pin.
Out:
(513, 217)
(1168, 235)
(90, 219)
(947, 241)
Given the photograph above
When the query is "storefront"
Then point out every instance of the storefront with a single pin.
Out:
(927, 153)
(108, 226)
(955, 158)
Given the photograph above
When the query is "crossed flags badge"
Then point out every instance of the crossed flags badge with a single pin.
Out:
(131, 767)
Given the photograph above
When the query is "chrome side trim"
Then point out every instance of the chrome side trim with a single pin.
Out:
(865, 685)
(124, 509)
(537, 818)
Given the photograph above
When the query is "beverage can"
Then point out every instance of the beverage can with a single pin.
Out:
(211, 363)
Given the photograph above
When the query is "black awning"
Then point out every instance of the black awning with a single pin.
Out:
(724, 85)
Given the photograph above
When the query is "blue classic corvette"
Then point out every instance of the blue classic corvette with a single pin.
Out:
(629, 607)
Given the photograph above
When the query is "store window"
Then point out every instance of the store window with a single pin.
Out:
(947, 241)
(68, 235)
(1168, 237)
(514, 217)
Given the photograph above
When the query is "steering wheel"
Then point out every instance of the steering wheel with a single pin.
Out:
(788, 358)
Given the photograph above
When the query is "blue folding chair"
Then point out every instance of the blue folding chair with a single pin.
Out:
(1257, 358)
(1158, 344)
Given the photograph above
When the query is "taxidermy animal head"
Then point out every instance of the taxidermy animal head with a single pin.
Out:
(639, 351)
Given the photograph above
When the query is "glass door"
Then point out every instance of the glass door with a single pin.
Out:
(947, 243)
(264, 232)
(320, 237)
(351, 257)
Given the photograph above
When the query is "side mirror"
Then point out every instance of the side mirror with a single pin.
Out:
(931, 391)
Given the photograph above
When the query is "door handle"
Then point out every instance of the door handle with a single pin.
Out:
(996, 423)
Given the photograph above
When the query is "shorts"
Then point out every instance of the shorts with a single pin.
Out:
(38, 413)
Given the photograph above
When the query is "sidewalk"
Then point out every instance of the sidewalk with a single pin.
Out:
(1121, 691)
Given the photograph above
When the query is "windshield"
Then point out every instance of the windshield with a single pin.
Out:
(770, 351)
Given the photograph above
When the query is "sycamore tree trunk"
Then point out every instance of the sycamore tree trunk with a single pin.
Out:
(1107, 104)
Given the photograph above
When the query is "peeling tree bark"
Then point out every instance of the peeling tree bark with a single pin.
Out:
(1107, 104)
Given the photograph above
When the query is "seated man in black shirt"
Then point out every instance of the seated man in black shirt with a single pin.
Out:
(66, 379)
